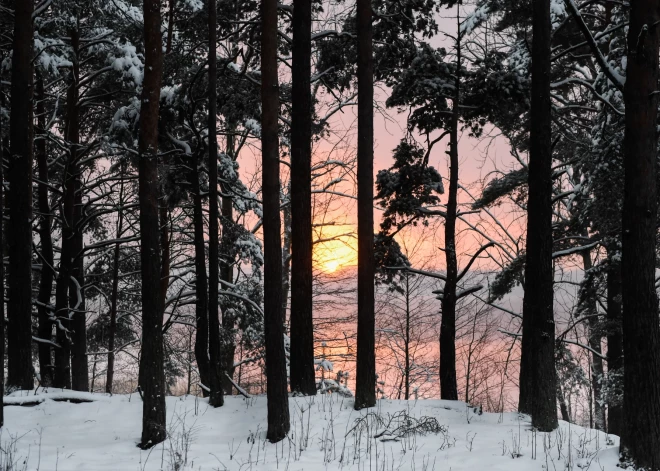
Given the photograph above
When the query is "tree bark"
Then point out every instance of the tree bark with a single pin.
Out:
(227, 275)
(365, 384)
(19, 306)
(115, 286)
(45, 328)
(201, 282)
(615, 420)
(216, 398)
(152, 375)
(406, 345)
(63, 308)
(3, 149)
(597, 369)
(448, 388)
(303, 380)
(641, 330)
(79, 367)
(538, 377)
(278, 401)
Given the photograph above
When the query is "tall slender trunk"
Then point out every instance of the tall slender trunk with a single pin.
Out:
(407, 339)
(615, 420)
(115, 285)
(227, 275)
(19, 306)
(216, 398)
(3, 149)
(163, 212)
(163, 216)
(170, 26)
(597, 370)
(563, 408)
(286, 255)
(302, 325)
(151, 359)
(79, 367)
(201, 283)
(641, 331)
(278, 400)
(47, 262)
(365, 383)
(538, 377)
(63, 309)
(448, 387)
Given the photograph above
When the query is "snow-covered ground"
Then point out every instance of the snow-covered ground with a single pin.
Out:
(326, 434)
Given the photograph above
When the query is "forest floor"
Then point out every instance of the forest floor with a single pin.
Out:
(326, 434)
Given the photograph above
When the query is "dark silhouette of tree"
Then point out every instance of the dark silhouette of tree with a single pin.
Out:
(365, 383)
(538, 378)
(201, 281)
(216, 398)
(641, 331)
(47, 255)
(114, 297)
(302, 328)
(152, 375)
(276, 381)
(19, 200)
(448, 387)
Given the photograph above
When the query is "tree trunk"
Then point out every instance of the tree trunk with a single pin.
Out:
(115, 285)
(227, 275)
(538, 377)
(641, 331)
(448, 388)
(19, 166)
(79, 367)
(63, 308)
(303, 380)
(365, 383)
(47, 262)
(3, 149)
(278, 401)
(216, 398)
(614, 339)
(163, 216)
(151, 359)
(406, 345)
(597, 370)
(201, 282)
(286, 253)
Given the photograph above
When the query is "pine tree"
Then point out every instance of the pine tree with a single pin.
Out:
(365, 383)
(216, 369)
(19, 200)
(641, 331)
(538, 378)
(278, 400)
(302, 329)
(152, 375)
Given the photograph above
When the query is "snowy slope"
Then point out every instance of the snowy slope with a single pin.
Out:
(102, 435)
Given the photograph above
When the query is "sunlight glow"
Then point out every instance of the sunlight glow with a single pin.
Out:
(334, 250)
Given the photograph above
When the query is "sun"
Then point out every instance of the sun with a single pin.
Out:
(335, 250)
(331, 266)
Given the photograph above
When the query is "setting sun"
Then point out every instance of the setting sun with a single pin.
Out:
(335, 249)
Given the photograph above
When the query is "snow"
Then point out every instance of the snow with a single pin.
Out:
(326, 434)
